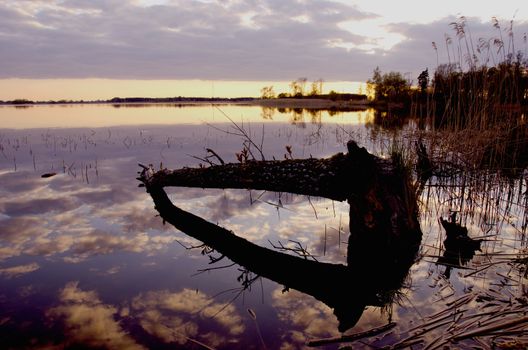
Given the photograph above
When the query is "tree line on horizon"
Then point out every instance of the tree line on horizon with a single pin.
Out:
(298, 89)
(117, 100)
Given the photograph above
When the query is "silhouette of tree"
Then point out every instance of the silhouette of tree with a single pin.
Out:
(298, 86)
(317, 87)
(267, 92)
(391, 87)
(423, 80)
(372, 83)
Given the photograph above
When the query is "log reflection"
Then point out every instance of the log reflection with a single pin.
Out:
(384, 230)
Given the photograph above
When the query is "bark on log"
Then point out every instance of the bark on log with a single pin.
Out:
(313, 177)
(384, 238)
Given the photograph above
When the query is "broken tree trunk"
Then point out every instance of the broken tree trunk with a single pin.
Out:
(384, 238)
(333, 177)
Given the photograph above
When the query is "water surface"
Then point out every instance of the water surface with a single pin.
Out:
(85, 261)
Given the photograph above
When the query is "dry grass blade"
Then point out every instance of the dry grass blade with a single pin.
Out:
(418, 336)
(252, 313)
(352, 337)
(483, 331)
(205, 346)
(430, 323)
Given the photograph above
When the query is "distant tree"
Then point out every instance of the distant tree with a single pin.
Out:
(333, 95)
(314, 90)
(394, 86)
(372, 83)
(21, 101)
(298, 86)
(295, 88)
(423, 80)
(317, 87)
(302, 84)
(267, 92)
(390, 86)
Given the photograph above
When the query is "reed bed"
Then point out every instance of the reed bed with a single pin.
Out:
(490, 197)
(484, 81)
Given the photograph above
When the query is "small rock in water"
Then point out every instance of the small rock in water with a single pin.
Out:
(48, 175)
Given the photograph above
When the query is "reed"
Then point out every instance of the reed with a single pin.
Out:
(476, 104)
(479, 87)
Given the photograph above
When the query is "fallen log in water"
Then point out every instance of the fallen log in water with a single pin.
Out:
(335, 177)
(384, 229)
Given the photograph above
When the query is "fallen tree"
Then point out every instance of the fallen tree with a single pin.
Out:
(384, 229)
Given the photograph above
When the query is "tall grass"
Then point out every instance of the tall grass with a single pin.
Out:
(477, 101)
(482, 84)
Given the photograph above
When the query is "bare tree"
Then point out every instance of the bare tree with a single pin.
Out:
(317, 87)
(267, 92)
(298, 87)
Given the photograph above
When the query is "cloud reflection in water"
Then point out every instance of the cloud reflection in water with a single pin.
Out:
(104, 232)
(88, 321)
(170, 317)
(108, 228)
(175, 317)
(15, 271)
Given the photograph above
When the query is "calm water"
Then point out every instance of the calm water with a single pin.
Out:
(85, 261)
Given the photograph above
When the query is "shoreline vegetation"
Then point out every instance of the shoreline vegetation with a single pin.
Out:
(330, 101)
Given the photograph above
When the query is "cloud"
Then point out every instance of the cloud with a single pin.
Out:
(108, 195)
(16, 271)
(48, 218)
(230, 40)
(101, 242)
(18, 182)
(39, 206)
(19, 230)
(182, 39)
(229, 204)
(88, 321)
(169, 329)
(178, 316)
(34, 230)
(306, 318)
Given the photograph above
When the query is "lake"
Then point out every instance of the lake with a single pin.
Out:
(86, 262)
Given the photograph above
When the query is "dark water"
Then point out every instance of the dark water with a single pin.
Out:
(85, 261)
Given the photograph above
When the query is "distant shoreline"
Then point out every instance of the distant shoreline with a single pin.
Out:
(131, 100)
(307, 103)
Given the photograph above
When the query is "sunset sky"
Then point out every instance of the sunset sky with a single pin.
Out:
(80, 49)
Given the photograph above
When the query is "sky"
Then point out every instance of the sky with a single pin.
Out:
(89, 49)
